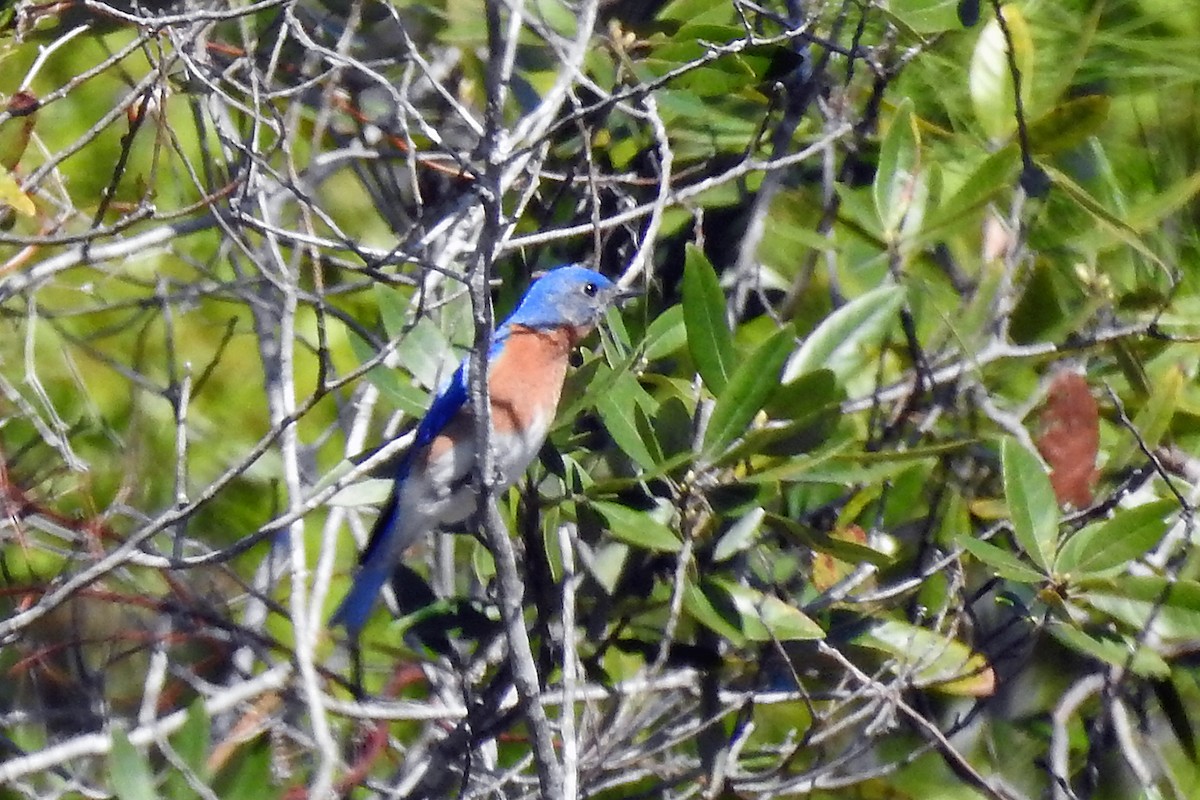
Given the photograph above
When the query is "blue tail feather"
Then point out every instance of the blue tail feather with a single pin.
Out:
(374, 569)
(358, 602)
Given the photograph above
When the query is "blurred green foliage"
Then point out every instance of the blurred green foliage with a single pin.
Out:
(794, 500)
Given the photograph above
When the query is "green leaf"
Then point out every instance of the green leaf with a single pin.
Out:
(990, 79)
(931, 659)
(191, 743)
(696, 11)
(840, 548)
(1170, 609)
(1005, 564)
(607, 564)
(1031, 504)
(715, 611)
(828, 468)
(673, 425)
(193, 739)
(1154, 419)
(1108, 221)
(805, 395)
(841, 342)
(1068, 124)
(393, 308)
(637, 528)
(740, 613)
(709, 339)
(665, 335)
(740, 536)
(368, 492)
(1148, 215)
(782, 620)
(1115, 542)
(424, 351)
(619, 409)
(898, 166)
(751, 384)
(249, 771)
(128, 771)
(916, 453)
(993, 176)
(402, 394)
(1114, 651)
(918, 17)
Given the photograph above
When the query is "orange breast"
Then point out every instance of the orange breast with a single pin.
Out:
(527, 377)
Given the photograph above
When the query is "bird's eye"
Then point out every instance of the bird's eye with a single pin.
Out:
(590, 289)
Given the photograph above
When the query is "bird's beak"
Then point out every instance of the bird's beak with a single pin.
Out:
(628, 293)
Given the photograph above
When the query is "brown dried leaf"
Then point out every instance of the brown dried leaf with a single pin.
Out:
(1070, 439)
(828, 570)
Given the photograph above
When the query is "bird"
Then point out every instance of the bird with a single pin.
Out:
(527, 361)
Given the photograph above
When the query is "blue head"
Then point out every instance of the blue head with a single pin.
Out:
(571, 296)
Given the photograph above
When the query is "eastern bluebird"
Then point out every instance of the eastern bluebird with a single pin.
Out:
(527, 362)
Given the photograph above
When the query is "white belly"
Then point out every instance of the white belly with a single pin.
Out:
(444, 491)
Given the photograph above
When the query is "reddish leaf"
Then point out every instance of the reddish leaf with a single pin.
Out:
(15, 135)
(1070, 437)
(827, 569)
(22, 104)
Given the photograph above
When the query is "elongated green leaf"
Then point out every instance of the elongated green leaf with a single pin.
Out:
(931, 659)
(400, 392)
(840, 343)
(393, 308)
(1111, 651)
(248, 772)
(1155, 417)
(740, 536)
(424, 351)
(809, 393)
(990, 78)
(917, 453)
(898, 160)
(637, 528)
(1068, 124)
(994, 175)
(840, 548)
(715, 611)
(371, 491)
(709, 339)
(193, 739)
(695, 11)
(1171, 609)
(738, 612)
(917, 17)
(1115, 542)
(666, 334)
(619, 408)
(128, 771)
(608, 563)
(1108, 221)
(673, 426)
(1003, 562)
(824, 468)
(192, 744)
(1031, 503)
(747, 390)
(1148, 215)
(782, 620)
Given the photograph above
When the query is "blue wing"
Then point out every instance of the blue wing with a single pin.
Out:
(375, 566)
(448, 402)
